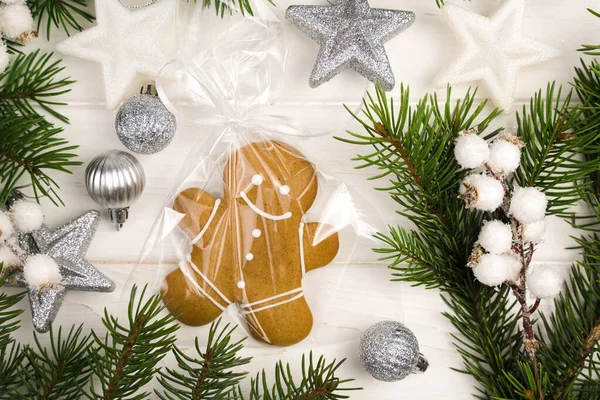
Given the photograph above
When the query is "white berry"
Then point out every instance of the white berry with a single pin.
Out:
(505, 157)
(41, 270)
(482, 192)
(470, 150)
(26, 215)
(544, 282)
(492, 270)
(6, 226)
(534, 232)
(16, 22)
(8, 258)
(513, 263)
(528, 205)
(495, 237)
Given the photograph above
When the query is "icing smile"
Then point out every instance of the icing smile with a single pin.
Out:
(263, 213)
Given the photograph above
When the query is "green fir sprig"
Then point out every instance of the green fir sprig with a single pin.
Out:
(34, 80)
(319, 381)
(11, 354)
(210, 376)
(413, 149)
(126, 358)
(64, 14)
(58, 373)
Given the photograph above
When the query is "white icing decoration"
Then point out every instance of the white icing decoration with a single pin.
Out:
(284, 190)
(249, 256)
(241, 284)
(301, 240)
(261, 212)
(205, 227)
(257, 180)
(256, 233)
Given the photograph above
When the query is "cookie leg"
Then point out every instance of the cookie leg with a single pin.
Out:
(191, 297)
(283, 325)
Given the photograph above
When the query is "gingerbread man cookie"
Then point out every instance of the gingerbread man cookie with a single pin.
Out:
(252, 247)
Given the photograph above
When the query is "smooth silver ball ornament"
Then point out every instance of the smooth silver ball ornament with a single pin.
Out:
(115, 180)
(143, 123)
(389, 351)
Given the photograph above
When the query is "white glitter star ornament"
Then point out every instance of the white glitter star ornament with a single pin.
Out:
(124, 41)
(351, 35)
(494, 50)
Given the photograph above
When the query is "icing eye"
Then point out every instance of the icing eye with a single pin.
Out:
(256, 233)
(257, 180)
(249, 256)
(284, 190)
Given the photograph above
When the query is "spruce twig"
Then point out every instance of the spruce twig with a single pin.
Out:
(212, 375)
(63, 14)
(33, 80)
(59, 374)
(11, 355)
(125, 360)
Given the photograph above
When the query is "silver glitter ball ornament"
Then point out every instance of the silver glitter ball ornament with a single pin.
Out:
(115, 180)
(389, 351)
(351, 35)
(143, 123)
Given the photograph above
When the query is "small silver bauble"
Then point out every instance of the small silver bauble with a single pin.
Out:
(389, 351)
(115, 180)
(143, 123)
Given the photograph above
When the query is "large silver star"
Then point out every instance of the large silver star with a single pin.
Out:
(67, 245)
(351, 34)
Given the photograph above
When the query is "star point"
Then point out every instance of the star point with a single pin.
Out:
(123, 42)
(351, 35)
(494, 50)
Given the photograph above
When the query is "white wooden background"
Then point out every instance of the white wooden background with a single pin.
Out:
(363, 292)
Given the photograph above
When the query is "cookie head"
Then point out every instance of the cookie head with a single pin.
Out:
(272, 177)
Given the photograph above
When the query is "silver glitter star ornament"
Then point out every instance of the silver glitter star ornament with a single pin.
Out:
(351, 34)
(67, 246)
(389, 351)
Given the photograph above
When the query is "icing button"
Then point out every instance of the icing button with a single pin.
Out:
(241, 284)
(257, 179)
(284, 190)
(256, 233)
(249, 256)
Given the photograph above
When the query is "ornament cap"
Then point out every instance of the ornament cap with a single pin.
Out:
(119, 215)
(149, 88)
(422, 365)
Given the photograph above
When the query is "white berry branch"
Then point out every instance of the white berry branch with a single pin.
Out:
(505, 247)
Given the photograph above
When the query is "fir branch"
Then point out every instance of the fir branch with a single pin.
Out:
(210, 376)
(592, 50)
(30, 146)
(60, 374)
(413, 147)
(125, 360)
(33, 79)
(319, 382)
(10, 351)
(553, 133)
(63, 14)
(228, 6)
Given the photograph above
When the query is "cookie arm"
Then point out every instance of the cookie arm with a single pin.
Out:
(320, 244)
(198, 207)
